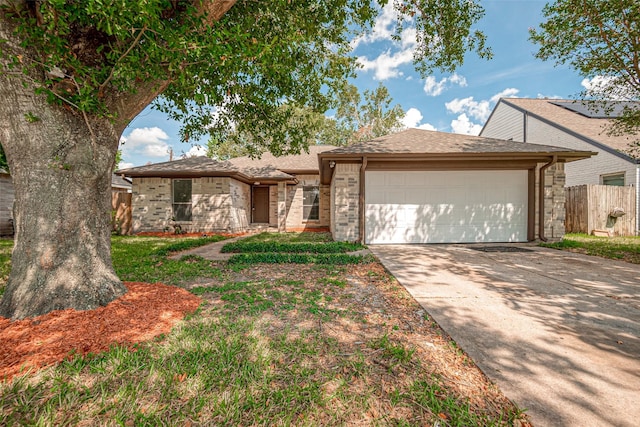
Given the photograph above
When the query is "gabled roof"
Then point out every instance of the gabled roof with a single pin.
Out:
(191, 166)
(592, 129)
(415, 142)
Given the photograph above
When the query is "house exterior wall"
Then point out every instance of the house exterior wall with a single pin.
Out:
(7, 195)
(219, 204)
(505, 123)
(554, 202)
(345, 202)
(294, 204)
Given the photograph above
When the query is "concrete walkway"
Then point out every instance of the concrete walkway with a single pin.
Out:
(558, 332)
(210, 251)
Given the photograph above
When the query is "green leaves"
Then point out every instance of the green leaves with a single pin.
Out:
(599, 39)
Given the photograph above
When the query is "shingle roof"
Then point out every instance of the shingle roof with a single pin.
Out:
(292, 163)
(418, 141)
(592, 128)
(118, 181)
(188, 166)
(268, 167)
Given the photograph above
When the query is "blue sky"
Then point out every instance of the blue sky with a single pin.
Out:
(459, 102)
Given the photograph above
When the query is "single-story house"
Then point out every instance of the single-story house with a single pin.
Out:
(414, 186)
(574, 125)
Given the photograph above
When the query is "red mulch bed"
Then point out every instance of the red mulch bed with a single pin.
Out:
(146, 311)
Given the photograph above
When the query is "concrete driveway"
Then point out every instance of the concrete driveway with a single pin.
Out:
(558, 332)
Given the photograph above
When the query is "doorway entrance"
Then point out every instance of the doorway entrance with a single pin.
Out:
(260, 205)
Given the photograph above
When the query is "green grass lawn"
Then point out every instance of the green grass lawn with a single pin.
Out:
(622, 248)
(273, 344)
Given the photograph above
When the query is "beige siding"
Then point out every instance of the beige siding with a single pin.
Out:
(7, 196)
(505, 123)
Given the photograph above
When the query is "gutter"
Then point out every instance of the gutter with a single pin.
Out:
(541, 217)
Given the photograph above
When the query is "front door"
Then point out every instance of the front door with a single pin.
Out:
(260, 205)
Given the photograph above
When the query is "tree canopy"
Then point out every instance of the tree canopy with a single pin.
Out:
(356, 117)
(601, 40)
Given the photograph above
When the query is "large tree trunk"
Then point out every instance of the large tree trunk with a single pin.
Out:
(61, 166)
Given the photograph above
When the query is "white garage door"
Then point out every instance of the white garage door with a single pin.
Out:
(445, 206)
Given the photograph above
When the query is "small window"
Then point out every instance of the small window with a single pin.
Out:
(616, 179)
(311, 203)
(182, 199)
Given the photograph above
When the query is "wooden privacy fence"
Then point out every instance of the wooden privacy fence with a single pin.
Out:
(121, 212)
(590, 207)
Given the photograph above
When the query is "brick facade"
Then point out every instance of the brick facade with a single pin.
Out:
(345, 202)
(219, 204)
(554, 202)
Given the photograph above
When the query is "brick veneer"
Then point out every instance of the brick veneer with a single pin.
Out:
(345, 190)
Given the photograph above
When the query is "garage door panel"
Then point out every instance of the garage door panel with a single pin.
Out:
(446, 206)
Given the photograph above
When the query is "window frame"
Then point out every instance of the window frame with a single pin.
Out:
(189, 203)
(308, 209)
(616, 175)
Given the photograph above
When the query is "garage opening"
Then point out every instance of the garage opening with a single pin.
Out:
(446, 206)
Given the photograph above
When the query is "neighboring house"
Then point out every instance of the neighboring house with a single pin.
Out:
(6, 203)
(120, 184)
(573, 125)
(415, 186)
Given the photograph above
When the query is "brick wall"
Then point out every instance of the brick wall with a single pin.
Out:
(554, 202)
(294, 204)
(219, 204)
(345, 189)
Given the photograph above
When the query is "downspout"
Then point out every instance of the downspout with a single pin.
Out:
(361, 201)
(541, 180)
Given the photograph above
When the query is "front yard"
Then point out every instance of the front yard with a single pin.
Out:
(621, 248)
(294, 330)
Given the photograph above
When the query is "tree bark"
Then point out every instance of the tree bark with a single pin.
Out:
(61, 166)
(61, 162)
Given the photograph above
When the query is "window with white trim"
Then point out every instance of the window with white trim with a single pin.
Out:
(613, 179)
(181, 199)
(311, 203)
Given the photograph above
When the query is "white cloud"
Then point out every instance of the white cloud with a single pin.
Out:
(383, 28)
(412, 119)
(195, 151)
(479, 110)
(151, 142)
(433, 87)
(386, 65)
(125, 165)
(607, 87)
(464, 126)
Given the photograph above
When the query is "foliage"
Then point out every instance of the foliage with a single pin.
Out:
(623, 248)
(299, 258)
(317, 248)
(6, 245)
(236, 71)
(3, 160)
(599, 39)
(357, 117)
(292, 237)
